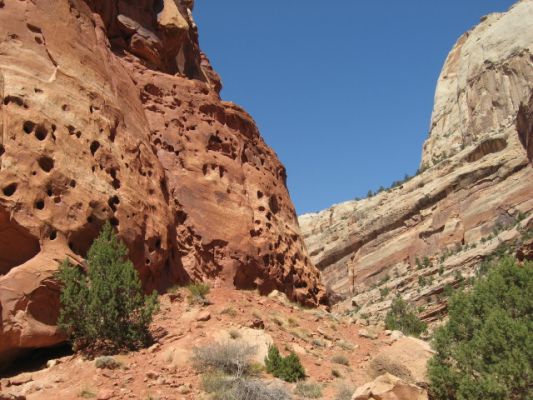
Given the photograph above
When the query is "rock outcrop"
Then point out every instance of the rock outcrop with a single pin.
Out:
(524, 125)
(475, 191)
(389, 387)
(406, 359)
(110, 111)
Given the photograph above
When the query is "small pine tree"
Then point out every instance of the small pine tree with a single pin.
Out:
(401, 317)
(485, 350)
(105, 310)
(273, 360)
(289, 368)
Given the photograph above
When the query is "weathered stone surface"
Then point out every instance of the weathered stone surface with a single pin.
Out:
(406, 358)
(389, 387)
(524, 125)
(464, 204)
(108, 114)
(485, 78)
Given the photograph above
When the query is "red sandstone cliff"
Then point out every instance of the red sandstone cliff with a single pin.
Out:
(109, 110)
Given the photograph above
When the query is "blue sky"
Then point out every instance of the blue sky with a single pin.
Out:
(341, 90)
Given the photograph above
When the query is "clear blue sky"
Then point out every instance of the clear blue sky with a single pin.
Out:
(341, 90)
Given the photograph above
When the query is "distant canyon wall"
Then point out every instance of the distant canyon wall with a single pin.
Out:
(475, 191)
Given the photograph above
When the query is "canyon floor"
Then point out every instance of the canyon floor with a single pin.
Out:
(164, 370)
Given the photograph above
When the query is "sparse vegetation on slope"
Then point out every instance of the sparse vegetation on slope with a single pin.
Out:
(401, 317)
(287, 368)
(230, 374)
(485, 351)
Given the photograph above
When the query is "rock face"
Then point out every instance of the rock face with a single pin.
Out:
(389, 387)
(524, 125)
(109, 111)
(475, 191)
(406, 359)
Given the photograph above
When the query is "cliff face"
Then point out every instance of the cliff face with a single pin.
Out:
(524, 125)
(109, 111)
(476, 190)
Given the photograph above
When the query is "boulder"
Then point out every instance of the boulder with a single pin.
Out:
(406, 358)
(389, 387)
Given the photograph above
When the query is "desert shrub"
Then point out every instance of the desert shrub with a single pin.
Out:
(223, 387)
(231, 358)
(254, 389)
(106, 362)
(344, 392)
(217, 383)
(345, 345)
(105, 310)
(229, 373)
(87, 394)
(198, 293)
(401, 317)
(234, 334)
(340, 359)
(485, 350)
(336, 373)
(229, 311)
(308, 390)
(289, 368)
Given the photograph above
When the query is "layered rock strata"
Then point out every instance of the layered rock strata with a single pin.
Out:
(475, 191)
(110, 111)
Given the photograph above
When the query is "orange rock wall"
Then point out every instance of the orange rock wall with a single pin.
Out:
(109, 111)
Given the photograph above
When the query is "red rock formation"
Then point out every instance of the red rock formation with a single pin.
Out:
(110, 111)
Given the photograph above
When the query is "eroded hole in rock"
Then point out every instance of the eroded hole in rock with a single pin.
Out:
(16, 100)
(10, 189)
(114, 221)
(116, 181)
(39, 204)
(112, 134)
(17, 245)
(28, 126)
(259, 194)
(94, 147)
(2, 150)
(33, 28)
(489, 146)
(72, 183)
(273, 204)
(81, 240)
(113, 202)
(46, 163)
(41, 132)
(53, 235)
